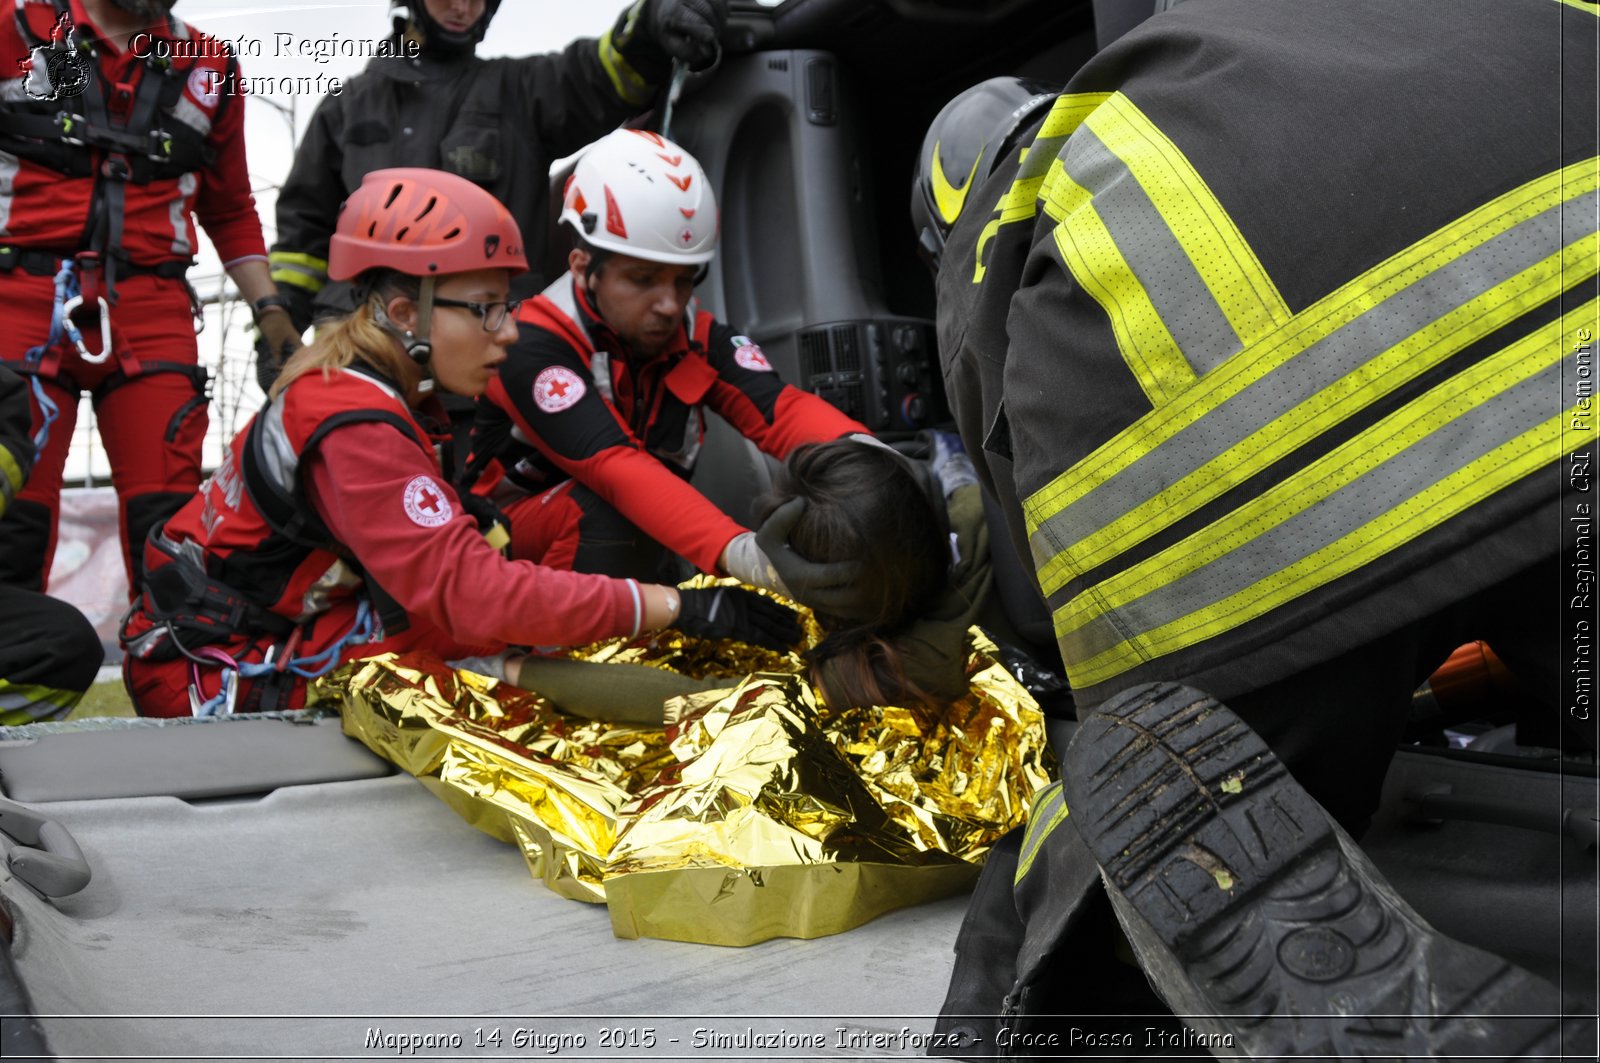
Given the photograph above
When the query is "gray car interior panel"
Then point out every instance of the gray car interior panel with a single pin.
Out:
(232, 758)
(1497, 854)
(371, 898)
(798, 268)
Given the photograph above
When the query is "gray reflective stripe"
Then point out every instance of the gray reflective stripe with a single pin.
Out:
(561, 295)
(685, 456)
(34, 703)
(600, 372)
(280, 463)
(9, 165)
(190, 114)
(1330, 359)
(178, 214)
(1153, 253)
(1479, 430)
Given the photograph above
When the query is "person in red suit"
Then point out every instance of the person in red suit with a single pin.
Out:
(597, 418)
(119, 135)
(330, 531)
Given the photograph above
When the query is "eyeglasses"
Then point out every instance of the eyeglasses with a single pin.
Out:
(493, 315)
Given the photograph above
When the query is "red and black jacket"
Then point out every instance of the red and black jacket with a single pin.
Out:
(572, 402)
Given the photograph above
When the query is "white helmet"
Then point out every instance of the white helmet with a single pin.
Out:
(636, 193)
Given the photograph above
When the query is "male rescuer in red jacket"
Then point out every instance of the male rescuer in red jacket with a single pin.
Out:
(597, 414)
(107, 156)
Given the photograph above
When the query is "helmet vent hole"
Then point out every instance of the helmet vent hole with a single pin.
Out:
(433, 201)
(453, 233)
(394, 194)
(401, 234)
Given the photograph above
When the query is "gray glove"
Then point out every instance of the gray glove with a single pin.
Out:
(745, 561)
(688, 29)
(832, 588)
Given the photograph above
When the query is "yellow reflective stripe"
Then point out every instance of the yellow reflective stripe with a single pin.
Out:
(11, 478)
(1049, 809)
(301, 271)
(630, 87)
(1579, 5)
(1389, 439)
(1020, 202)
(946, 196)
(1226, 263)
(1087, 248)
(1069, 112)
(1420, 352)
(1059, 561)
(23, 703)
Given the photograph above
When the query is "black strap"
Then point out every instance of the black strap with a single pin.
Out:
(181, 593)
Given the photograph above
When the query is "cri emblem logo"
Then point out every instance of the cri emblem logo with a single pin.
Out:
(557, 388)
(426, 503)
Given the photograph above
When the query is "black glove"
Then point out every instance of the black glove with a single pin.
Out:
(735, 613)
(832, 588)
(277, 338)
(688, 29)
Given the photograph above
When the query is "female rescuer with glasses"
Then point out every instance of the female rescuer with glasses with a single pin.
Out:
(329, 531)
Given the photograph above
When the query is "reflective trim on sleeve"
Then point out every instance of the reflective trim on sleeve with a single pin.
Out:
(1049, 809)
(24, 703)
(1437, 456)
(11, 479)
(629, 86)
(301, 271)
(1020, 202)
(1371, 336)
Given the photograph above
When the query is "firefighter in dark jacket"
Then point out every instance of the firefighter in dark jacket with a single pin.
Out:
(1269, 326)
(598, 416)
(49, 653)
(497, 122)
(117, 139)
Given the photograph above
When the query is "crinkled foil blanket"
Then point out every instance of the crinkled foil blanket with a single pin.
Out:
(755, 814)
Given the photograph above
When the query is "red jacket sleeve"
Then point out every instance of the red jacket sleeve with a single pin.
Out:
(384, 500)
(750, 395)
(223, 204)
(587, 441)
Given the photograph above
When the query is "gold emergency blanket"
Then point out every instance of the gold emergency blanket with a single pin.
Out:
(755, 814)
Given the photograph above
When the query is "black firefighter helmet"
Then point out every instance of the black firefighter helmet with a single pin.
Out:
(411, 17)
(966, 141)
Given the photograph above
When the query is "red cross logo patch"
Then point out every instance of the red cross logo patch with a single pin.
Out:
(748, 355)
(557, 388)
(426, 503)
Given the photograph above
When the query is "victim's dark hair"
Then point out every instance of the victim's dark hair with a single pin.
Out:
(863, 503)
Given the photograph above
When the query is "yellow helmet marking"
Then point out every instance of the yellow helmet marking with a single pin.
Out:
(947, 197)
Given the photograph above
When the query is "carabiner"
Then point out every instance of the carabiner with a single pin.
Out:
(77, 337)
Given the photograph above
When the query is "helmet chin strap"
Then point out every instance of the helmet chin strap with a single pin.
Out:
(416, 341)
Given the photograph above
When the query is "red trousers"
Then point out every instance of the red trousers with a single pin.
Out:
(149, 400)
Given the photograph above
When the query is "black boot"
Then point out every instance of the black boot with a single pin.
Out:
(1260, 921)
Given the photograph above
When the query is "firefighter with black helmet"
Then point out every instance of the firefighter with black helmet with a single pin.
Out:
(112, 143)
(302, 550)
(1264, 330)
(497, 122)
